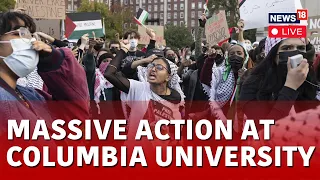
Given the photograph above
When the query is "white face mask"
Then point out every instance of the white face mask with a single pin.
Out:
(23, 59)
(133, 43)
(187, 57)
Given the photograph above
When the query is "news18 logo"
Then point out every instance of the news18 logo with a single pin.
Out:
(292, 29)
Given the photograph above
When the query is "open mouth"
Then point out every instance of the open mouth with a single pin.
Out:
(152, 76)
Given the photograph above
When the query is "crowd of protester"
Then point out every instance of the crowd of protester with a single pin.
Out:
(236, 80)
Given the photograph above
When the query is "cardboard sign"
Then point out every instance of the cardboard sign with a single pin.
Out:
(314, 25)
(43, 9)
(145, 39)
(50, 27)
(315, 40)
(255, 13)
(216, 28)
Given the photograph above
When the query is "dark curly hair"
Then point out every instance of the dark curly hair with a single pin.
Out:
(131, 32)
(9, 19)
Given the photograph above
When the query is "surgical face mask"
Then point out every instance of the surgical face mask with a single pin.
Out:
(188, 57)
(133, 43)
(23, 59)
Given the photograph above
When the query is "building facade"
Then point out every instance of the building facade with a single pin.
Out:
(73, 5)
(176, 12)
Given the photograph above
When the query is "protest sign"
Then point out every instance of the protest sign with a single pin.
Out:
(50, 27)
(217, 28)
(255, 12)
(43, 9)
(145, 39)
(314, 25)
(84, 23)
(315, 40)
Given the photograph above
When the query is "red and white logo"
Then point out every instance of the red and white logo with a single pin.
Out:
(287, 31)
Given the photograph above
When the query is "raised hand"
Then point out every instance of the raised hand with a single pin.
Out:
(297, 76)
(240, 24)
(151, 33)
(41, 46)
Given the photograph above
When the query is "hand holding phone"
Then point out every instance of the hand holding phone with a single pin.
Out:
(296, 60)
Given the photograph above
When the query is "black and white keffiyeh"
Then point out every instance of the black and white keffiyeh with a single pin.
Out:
(32, 80)
(174, 82)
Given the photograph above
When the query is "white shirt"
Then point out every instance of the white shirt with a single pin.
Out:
(138, 99)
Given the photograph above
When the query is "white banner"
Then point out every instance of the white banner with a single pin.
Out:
(255, 13)
(87, 25)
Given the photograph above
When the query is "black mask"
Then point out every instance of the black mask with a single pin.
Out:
(283, 56)
(171, 58)
(97, 47)
(219, 59)
(113, 50)
(236, 63)
(204, 49)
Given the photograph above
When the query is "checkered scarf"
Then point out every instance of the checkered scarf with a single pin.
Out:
(99, 85)
(32, 80)
(173, 82)
(271, 42)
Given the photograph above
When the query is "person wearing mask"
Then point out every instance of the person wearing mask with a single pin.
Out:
(102, 87)
(195, 95)
(114, 46)
(259, 53)
(20, 54)
(171, 56)
(277, 83)
(148, 99)
(248, 44)
(215, 58)
(133, 54)
(224, 88)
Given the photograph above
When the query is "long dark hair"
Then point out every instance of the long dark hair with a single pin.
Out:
(265, 75)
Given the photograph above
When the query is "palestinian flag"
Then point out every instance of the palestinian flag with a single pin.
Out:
(141, 17)
(78, 24)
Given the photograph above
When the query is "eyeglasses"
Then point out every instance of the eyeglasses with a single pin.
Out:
(25, 34)
(158, 67)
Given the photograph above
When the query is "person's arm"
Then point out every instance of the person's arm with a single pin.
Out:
(256, 110)
(140, 62)
(184, 63)
(65, 79)
(198, 48)
(215, 106)
(240, 35)
(59, 43)
(206, 71)
(152, 35)
(111, 74)
(90, 67)
(52, 40)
